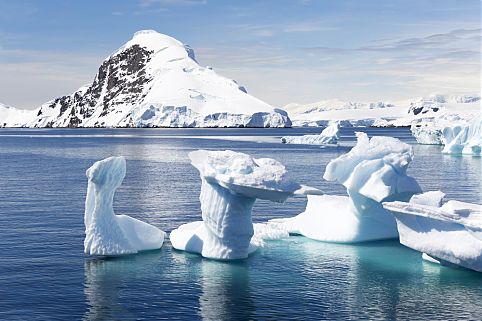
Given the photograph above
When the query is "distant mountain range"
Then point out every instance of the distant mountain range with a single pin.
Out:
(155, 81)
(152, 81)
(397, 113)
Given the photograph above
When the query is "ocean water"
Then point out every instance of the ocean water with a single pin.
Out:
(44, 274)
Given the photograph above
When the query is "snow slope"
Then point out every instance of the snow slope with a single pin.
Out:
(12, 117)
(155, 81)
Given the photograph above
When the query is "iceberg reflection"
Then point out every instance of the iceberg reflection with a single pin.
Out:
(225, 291)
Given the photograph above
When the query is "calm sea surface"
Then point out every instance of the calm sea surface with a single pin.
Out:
(44, 274)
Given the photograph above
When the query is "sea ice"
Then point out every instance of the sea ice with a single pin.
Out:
(329, 135)
(105, 232)
(231, 183)
(463, 139)
(450, 234)
(373, 171)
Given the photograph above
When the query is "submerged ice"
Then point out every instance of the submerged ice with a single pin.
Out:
(231, 183)
(328, 136)
(374, 171)
(449, 234)
(105, 232)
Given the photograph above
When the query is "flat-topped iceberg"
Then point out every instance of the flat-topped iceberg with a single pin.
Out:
(105, 232)
(231, 183)
(374, 171)
(449, 234)
(328, 136)
(463, 139)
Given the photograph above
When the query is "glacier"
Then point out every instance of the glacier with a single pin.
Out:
(105, 232)
(231, 183)
(449, 234)
(373, 171)
(154, 80)
(329, 136)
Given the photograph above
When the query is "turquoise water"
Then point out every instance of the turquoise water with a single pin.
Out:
(44, 274)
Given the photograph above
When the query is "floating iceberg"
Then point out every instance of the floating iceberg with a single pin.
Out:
(329, 135)
(373, 171)
(426, 133)
(463, 139)
(450, 234)
(231, 183)
(105, 232)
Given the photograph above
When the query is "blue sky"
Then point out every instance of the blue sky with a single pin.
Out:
(282, 51)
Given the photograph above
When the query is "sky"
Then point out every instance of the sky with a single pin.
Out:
(296, 51)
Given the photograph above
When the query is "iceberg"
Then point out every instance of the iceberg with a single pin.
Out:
(426, 133)
(463, 139)
(231, 183)
(374, 171)
(328, 136)
(448, 234)
(105, 232)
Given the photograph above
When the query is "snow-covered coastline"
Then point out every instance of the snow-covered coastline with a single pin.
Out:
(403, 113)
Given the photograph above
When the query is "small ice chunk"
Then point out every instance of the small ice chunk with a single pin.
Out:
(432, 198)
(329, 136)
(105, 232)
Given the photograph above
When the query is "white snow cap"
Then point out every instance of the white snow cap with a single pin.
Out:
(241, 169)
(157, 42)
(375, 168)
(105, 232)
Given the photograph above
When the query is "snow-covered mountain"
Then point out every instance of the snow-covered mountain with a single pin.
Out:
(13, 117)
(155, 81)
(397, 113)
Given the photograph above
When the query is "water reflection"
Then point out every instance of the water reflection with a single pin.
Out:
(109, 281)
(225, 291)
(385, 281)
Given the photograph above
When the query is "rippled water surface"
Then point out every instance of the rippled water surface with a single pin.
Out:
(44, 274)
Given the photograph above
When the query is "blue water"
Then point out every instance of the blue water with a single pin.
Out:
(44, 274)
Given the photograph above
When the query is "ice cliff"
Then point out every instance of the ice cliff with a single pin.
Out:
(463, 139)
(374, 171)
(105, 232)
(231, 183)
(449, 234)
